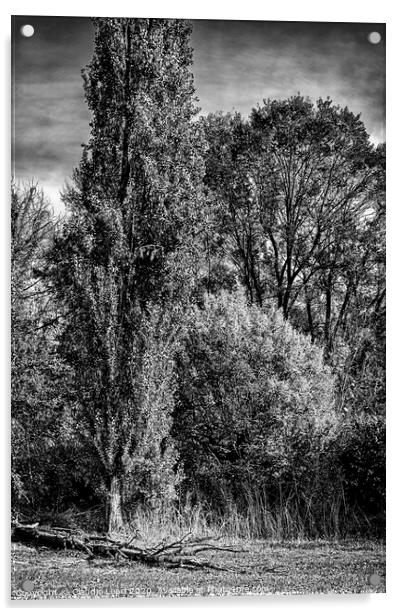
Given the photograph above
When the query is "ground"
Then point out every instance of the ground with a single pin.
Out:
(271, 568)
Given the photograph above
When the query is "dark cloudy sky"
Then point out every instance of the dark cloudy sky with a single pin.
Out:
(236, 65)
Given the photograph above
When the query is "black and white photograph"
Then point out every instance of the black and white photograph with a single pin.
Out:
(198, 307)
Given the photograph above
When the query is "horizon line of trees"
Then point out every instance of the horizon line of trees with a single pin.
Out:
(207, 323)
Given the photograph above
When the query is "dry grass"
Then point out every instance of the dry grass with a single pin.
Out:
(259, 521)
(298, 567)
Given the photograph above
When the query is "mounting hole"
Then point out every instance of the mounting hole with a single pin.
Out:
(374, 579)
(27, 585)
(27, 30)
(374, 38)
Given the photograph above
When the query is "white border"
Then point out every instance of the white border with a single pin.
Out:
(292, 10)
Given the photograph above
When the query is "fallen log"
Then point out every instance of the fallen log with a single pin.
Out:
(38, 537)
(178, 553)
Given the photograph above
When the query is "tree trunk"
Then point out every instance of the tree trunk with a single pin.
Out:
(328, 317)
(310, 317)
(115, 518)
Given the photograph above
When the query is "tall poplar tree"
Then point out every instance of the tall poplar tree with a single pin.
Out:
(126, 248)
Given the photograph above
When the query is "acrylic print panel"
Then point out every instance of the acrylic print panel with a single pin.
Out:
(198, 307)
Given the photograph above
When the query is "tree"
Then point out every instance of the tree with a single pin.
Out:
(297, 184)
(35, 370)
(127, 248)
(302, 207)
(363, 326)
(235, 237)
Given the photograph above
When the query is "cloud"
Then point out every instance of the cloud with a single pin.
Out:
(50, 124)
(236, 65)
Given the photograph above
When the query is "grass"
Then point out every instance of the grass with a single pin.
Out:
(299, 567)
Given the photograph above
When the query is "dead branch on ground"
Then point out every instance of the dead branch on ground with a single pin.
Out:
(178, 553)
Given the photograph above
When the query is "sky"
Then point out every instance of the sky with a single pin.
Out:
(237, 64)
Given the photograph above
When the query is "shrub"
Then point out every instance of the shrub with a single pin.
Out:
(254, 411)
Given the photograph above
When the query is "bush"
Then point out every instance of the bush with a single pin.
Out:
(255, 411)
(362, 457)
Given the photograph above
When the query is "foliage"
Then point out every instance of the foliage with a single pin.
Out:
(300, 186)
(255, 405)
(302, 221)
(204, 332)
(133, 217)
(38, 377)
(362, 461)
